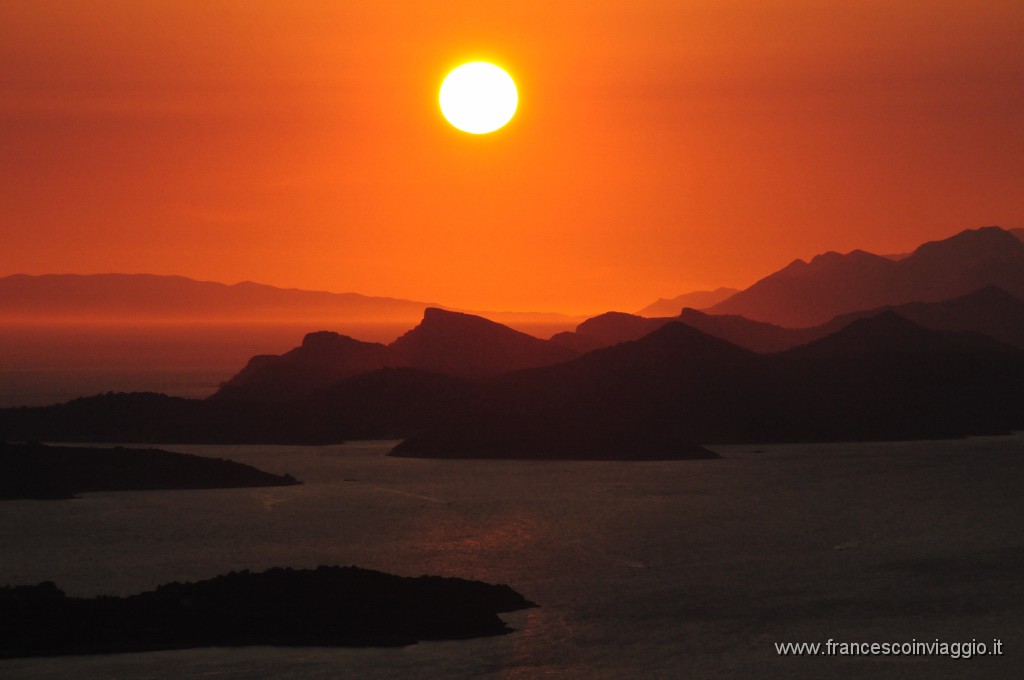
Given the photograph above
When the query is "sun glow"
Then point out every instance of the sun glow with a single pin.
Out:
(478, 98)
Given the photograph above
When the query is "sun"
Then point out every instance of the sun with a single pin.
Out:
(478, 97)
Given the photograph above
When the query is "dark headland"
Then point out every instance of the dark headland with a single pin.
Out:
(327, 606)
(51, 472)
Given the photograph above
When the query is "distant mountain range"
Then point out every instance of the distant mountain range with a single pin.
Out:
(810, 293)
(800, 295)
(140, 297)
(627, 386)
(134, 296)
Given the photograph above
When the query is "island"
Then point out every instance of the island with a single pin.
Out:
(327, 606)
(39, 471)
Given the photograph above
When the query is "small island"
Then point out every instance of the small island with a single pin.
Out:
(38, 471)
(326, 606)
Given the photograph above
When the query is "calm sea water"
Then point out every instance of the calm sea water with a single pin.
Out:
(643, 570)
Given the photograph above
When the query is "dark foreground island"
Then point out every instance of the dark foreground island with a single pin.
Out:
(42, 472)
(327, 606)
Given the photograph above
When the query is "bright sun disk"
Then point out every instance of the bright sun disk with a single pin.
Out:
(478, 97)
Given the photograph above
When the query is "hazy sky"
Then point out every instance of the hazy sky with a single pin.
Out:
(660, 146)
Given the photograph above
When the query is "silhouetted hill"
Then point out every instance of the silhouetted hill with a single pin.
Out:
(990, 311)
(324, 358)
(37, 471)
(890, 333)
(471, 346)
(608, 329)
(885, 377)
(328, 606)
(961, 264)
(806, 294)
(697, 299)
(447, 343)
(878, 378)
(809, 293)
(621, 401)
(756, 336)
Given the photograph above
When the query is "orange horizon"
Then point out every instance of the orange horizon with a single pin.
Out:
(658, 148)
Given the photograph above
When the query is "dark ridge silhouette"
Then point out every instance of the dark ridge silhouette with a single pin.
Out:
(697, 299)
(990, 311)
(886, 378)
(470, 346)
(1018, 232)
(448, 343)
(807, 294)
(324, 358)
(608, 329)
(326, 606)
(882, 377)
(629, 396)
(40, 472)
(877, 379)
(890, 332)
(757, 336)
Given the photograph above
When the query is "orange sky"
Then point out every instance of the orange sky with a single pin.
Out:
(660, 146)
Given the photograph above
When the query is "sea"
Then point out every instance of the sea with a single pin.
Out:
(688, 569)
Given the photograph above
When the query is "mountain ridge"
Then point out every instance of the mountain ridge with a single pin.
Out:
(879, 378)
(444, 342)
(805, 294)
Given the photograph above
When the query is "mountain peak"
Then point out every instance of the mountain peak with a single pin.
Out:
(991, 294)
(329, 343)
(471, 346)
(323, 358)
(439, 313)
(318, 339)
(891, 332)
(971, 240)
(438, 316)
